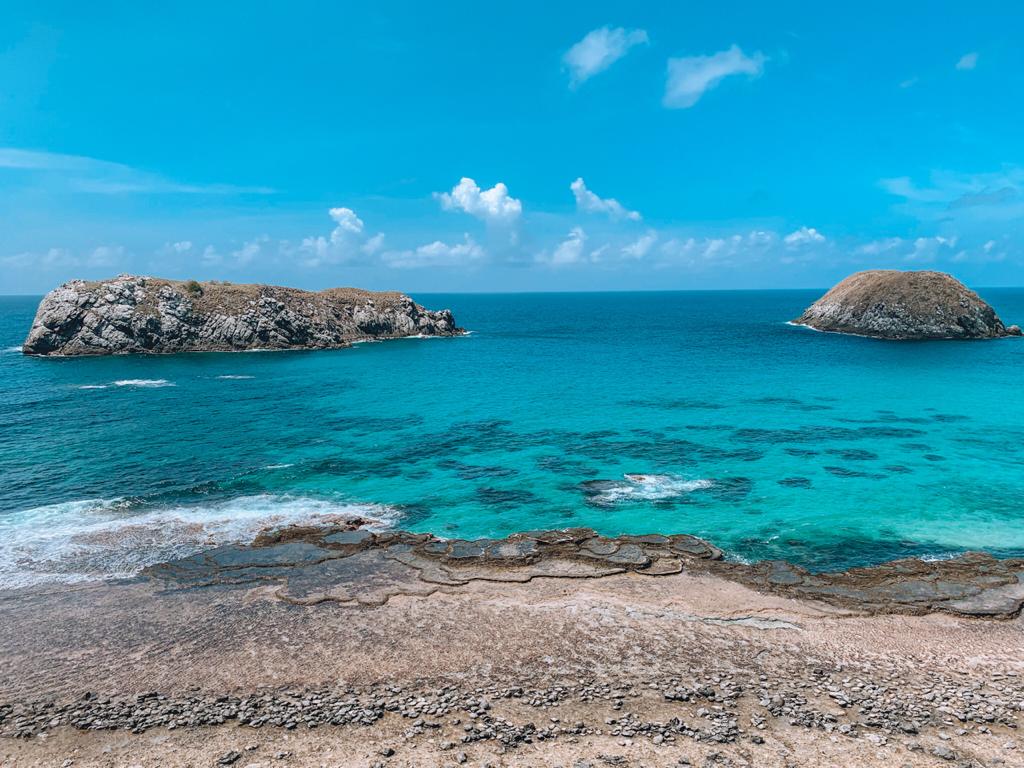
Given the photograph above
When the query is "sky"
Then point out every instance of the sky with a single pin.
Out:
(528, 146)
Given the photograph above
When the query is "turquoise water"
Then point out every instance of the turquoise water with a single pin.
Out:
(772, 441)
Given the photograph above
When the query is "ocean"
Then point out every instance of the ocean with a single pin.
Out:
(675, 412)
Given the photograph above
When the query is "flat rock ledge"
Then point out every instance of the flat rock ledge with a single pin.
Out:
(347, 563)
(131, 314)
(889, 304)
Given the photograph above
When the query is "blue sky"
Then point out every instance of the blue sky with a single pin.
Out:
(518, 146)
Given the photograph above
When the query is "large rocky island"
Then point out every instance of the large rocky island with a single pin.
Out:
(889, 304)
(132, 314)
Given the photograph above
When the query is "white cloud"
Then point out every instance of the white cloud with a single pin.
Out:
(250, 251)
(804, 236)
(968, 61)
(588, 202)
(90, 175)
(875, 247)
(570, 250)
(103, 256)
(374, 244)
(437, 254)
(346, 220)
(928, 249)
(640, 247)
(345, 243)
(599, 49)
(690, 77)
(494, 204)
(182, 246)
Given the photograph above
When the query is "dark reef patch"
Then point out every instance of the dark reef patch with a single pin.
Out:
(506, 497)
(676, 404)
(845, 472)
(795, 482)
(821, 433)
(731, 488)
(802, 453)
(898, 469)
(852, 454)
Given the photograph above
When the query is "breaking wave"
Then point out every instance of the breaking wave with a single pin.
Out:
(100, 539)
(640, 487)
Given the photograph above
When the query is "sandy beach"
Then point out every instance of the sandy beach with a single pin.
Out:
(531, 658)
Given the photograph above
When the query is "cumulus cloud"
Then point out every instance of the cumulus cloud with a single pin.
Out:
(598, 50)
(493, 205)
(588, 202)
(928, 249)
(346, 242)
(250, 251)
(804, 236)
(570, 250)
(968, 61)
(437, 254)
(691, 77)
(640, 247)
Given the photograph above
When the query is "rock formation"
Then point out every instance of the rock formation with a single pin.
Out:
(147, 314)
(888, 304)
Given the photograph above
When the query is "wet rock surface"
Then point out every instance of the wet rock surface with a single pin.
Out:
(349, 564)
(131, 314)
(889, 304)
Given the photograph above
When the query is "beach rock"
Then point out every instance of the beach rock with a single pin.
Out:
(132, 314)
(889, 304)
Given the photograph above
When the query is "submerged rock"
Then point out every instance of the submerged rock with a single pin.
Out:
(148, 314)
(888, 304)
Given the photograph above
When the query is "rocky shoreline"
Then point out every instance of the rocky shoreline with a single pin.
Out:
(131, 314)
(345, 646)
(347, 563)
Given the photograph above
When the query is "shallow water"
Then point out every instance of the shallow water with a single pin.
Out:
(767, 439)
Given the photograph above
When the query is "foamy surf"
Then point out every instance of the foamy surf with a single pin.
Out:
(641, 487)
(93, 386)
(103, 539)
(10, 350)
(234, 377)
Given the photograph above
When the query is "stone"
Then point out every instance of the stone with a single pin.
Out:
(132, 314)
(890, 304)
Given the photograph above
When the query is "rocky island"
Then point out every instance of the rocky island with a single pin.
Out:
(131, 314)
(889, 304)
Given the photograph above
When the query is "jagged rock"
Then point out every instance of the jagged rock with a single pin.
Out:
(147, 314)
(888, 304)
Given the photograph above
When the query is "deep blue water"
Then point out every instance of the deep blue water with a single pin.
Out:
(771, 441)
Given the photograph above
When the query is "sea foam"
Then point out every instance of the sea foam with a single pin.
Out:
(101, 539)
(143, 383)
(642, 487)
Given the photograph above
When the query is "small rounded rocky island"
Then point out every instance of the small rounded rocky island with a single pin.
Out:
(889, 304)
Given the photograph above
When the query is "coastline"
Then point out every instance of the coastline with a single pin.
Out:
(345, 642)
